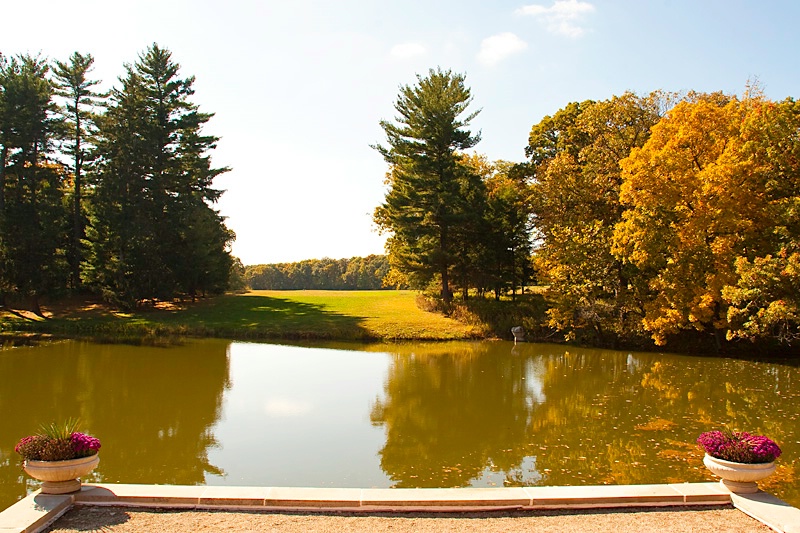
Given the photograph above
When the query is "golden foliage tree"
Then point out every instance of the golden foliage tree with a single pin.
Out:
(574, 163)
(711, 191)
(765, 301)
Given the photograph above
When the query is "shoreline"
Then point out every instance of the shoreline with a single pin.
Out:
(319, 316)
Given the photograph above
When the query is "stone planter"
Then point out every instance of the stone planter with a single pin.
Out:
(61, 477)
(738, 477)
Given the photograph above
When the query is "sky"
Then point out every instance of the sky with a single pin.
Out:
(298, 87)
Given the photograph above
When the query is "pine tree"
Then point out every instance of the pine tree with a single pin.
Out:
(31, 202)
(154, 233)
(430, 192)
(78, 113)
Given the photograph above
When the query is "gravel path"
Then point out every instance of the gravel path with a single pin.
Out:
(632, 520)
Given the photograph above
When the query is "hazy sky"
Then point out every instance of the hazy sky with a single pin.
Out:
(298, 87)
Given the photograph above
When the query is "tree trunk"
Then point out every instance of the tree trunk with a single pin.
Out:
(717, 341)
(77, 226)
(3, 159)
(443, 266)
(446, 295)
(35, 309)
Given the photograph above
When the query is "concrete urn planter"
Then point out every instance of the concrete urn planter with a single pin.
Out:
(61, 477)
(738, 477)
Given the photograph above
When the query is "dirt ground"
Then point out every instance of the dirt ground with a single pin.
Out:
(630, 520)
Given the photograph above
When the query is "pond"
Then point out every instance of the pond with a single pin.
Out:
(379, 415)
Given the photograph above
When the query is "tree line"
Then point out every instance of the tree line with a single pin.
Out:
(662, 216)
(107, 192)
(356, 273)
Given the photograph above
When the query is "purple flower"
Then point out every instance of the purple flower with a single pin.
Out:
(48, 448)
(739, 446)
(85, 443)
(764, 448)
(23, 443)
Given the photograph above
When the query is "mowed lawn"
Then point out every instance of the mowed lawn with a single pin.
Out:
(336, 315)
(382, 314)
(333, 315)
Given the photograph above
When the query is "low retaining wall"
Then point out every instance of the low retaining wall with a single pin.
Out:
(36, 511)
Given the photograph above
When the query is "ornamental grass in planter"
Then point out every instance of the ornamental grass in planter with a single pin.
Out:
(58, 456)
(739, 458)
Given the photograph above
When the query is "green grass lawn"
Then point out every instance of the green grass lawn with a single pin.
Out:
(335, 315)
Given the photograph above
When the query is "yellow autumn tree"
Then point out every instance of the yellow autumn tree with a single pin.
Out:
(765, 301)
(574, 161)
(700, 199)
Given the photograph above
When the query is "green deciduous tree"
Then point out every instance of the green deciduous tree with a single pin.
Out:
(764, 303)
(355, 273)
(502, 245)
(430, 202)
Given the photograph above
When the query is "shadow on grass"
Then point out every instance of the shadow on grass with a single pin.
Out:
(237, 317)
(274, 315)
(242, 317)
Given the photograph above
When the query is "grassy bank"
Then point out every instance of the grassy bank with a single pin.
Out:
(339, 315)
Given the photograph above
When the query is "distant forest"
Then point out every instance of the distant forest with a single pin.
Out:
(356, 273)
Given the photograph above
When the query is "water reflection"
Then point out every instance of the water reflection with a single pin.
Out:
(153, 408)
(450, 415)
(633, 418)
(407, 415)
(550, 415)
(298, 417)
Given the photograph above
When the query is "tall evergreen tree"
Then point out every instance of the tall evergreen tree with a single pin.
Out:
(5, 137)
(154, 232)
(31, 201)
(5, 147)
(430, 192)
(76, 89)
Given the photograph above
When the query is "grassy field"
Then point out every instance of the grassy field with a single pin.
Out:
(339, 315)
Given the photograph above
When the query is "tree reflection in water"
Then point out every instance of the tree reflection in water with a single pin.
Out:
(154, 407)
(554, 415)
(451, 415)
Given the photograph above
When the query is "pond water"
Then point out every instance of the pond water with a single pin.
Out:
(408, 415)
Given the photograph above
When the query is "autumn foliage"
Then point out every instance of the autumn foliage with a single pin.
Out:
(660, 218)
